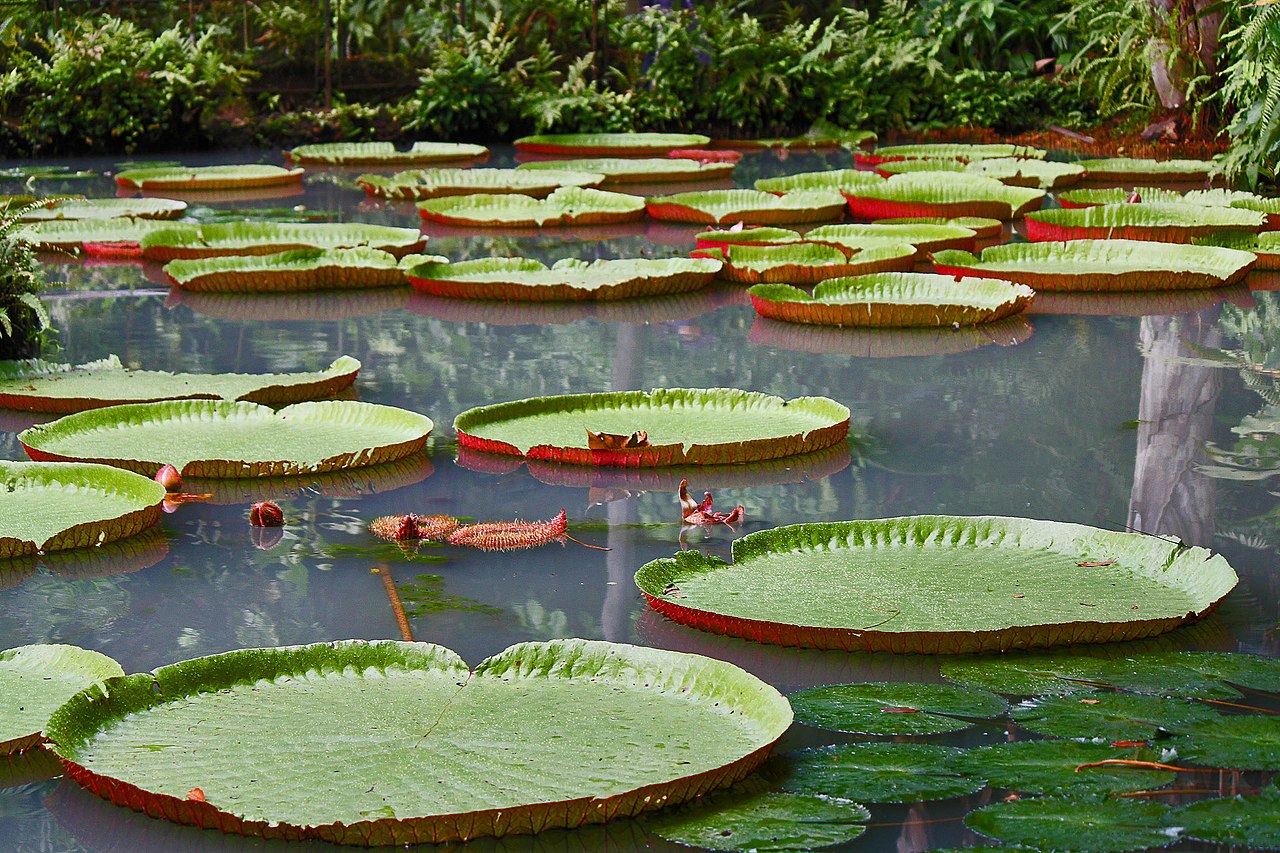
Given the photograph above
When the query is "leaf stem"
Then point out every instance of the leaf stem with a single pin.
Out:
(397, 607)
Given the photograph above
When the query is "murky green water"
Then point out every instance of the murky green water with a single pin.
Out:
(1098, 412)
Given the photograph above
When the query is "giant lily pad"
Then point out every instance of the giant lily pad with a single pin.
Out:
(984, 227)
(823, 134)
(942, 194)
(653, 170)
(440, 183)
(939, 584)
(208, 177)
(893, 299)
(565, 206)
(754, 820)
(809, 263)
(1037, 174)
(763, 235)
(218, 438)
(107, 208)
(1169, 223)
(384, 153)
(1147, 195)
(895, 708)
(44, 386)
(1251, 820)
(1102, 265)
(693, 426)
(1049, 767)
(1266, 246)
(962, 152)
(115, 237)
(901, 167)
(270, 238)
(1138, 170)
(610, 144)
(392, 743)
(725, 207)
(46, 507)
(836, 180)
(35, 680)
(1108, 716)
(298, 270)
(568, 280)
(926, 237)
(878, 772)
(1067, 825)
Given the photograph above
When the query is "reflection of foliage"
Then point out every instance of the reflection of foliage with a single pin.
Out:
(544, 624)
(424, 595)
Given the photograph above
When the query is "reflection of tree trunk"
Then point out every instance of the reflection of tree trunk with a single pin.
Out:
(615, 615)
(1175, 417)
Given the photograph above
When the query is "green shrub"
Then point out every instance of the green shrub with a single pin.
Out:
(22, 314)
(1006, 102)
(1252, 93)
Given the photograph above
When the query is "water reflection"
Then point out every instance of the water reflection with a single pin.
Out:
(312, 305)
(1139, 304)
(888, 343)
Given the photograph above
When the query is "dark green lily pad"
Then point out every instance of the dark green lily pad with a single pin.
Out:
(1252, 820)
(1237, 742)
(894, 708)
(1057, 674)
(1051, 823)
(878, 772)
(1249, 671)
(735, 820)
(1049, 767)
(1111, 716)
(35, 680)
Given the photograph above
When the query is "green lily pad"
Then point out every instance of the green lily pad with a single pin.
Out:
(1147, 195)
(1251, 821)
(621, 170)
(44, 386)
(925, 237)
(1250, 671)
(568, 280)
(877, 772)
(439, 183)
(942, 194)
(984, 227)
(753, 207)
(384, 153)
(610, 144)
(1006, 583)
(115, 237)
(893, 299)
(760, 235)
(291, 272)
(1024, 674)
(945, 151)
(1237, 742)
(35, 680)
(208, 177)
(1140, 169)
(1051, 823)
(823, 134)
(106, 208)
(895, 708)
(565, 206)
(924, 164)
(271, 238)
(806, 263)
(1166, 223)
(1049, 767)
(391, 743)
(762, 821)
(1266, 246)
(1123, 265)
(219, 438)
(1108, 716)
(1021, 172)
(836, 180)
(46, 507)
(694, 426)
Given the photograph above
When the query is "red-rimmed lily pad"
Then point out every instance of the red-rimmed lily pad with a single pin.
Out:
(1266, 246)
(384, 153)
(569, 280)
(53, 507)
(876, 585)
(565, 206)
(893, 299)
(942, 194)
(36, 680)
(836, 180)
(440, 183)
(895, 708)
(650, 170)
(753, 207)
(1037, 174)
(393, 743)
(610, 144)
(1168, 223)
(1138, 170)
(809, 263)
(106, 208)
(218, 438)
(44, 386)
(1126, 265)
(984, 227)
(760, 235)
(926, 237)
(291, 272)
(116, 237)
(208, 177)
(271, 238)
(965, 153)
(693, 426)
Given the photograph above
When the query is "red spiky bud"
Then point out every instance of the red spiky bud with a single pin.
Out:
(511, 535)
(266, 514)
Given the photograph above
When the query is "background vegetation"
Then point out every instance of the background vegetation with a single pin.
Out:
(84, 76)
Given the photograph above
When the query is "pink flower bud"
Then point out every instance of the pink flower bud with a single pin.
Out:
(169, 477)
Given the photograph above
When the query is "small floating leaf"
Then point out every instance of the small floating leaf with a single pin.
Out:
(877, 772)
(1108, 826)
(894, 708)
(1049, 767)
(1238, 742)
(1111, 716)
(1252, 820)
(766, 821)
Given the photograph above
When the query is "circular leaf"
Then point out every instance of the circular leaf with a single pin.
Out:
(877, 772)
(609, 144)
(387, 742)
(1022, 674)
(894, 708)
(384, 153)
(762, 821)
(208, 177)
(1251, 821)
(1108, 826)
(1110, 716)
(1250, 671)
(36, 680)
(1237, 742)
(1049, 767)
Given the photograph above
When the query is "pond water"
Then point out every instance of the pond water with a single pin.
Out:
(1090, 410)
